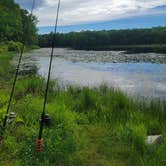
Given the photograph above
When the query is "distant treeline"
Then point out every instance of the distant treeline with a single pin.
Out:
(107, 40)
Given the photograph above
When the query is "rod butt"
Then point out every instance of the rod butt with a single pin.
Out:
(39, 145)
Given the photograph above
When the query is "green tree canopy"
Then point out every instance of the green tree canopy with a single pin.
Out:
(15, 22)
(101, 40)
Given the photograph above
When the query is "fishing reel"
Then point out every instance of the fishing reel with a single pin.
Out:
(46, 120)
(11, 117)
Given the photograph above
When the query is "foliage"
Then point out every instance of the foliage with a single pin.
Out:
(16, 24)
(14, 46)
(143, 40)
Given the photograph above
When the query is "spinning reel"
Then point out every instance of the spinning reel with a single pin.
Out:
(46, 120)
(11, 117)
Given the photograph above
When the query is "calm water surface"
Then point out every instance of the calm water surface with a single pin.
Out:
(142, 79)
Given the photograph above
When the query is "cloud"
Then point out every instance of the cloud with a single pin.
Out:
(85, 11)
(27, 4)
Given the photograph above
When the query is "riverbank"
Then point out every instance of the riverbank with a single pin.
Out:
(155, 48)
(129, 49)
(90, 126)
(132, 49)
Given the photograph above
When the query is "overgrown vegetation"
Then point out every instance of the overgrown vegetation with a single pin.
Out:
(97, 126)
(136, 40)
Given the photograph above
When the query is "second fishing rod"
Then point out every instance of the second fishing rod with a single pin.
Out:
(11, 115)
(44, 120)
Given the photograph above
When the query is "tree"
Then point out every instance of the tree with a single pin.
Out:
(16, 23)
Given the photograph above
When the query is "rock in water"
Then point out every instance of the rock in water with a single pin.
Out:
(154, 139)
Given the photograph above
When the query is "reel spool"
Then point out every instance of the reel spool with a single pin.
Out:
(11, 117)
(46, 120)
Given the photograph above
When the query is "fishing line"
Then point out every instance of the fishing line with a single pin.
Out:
(15, 79)
(44, 117)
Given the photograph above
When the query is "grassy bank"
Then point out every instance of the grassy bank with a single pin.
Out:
(90, 127)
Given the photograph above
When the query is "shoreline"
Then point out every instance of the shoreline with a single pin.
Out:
(151, 48)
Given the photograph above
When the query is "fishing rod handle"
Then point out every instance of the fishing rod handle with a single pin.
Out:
(39, 145)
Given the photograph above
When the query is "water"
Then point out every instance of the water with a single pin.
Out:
(88, 68)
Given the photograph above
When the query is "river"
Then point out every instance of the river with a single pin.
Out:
(135, 74)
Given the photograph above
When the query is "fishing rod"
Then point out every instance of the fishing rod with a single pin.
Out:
(45, 118)
(10, 116)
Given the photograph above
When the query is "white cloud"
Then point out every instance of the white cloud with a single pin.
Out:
(27, 4)
(84, 11)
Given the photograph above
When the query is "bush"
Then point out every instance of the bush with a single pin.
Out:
(14, 46)
(3, 48)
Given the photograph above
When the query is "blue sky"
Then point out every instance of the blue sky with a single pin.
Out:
(77, 15)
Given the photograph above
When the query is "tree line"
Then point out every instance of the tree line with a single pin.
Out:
(103, 40)
(16, 24)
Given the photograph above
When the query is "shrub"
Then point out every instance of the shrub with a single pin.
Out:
(3, 48)
(14, 46)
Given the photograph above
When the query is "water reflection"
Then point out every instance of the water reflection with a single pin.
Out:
(144, 79)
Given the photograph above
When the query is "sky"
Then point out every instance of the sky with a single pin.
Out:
(76, 15)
